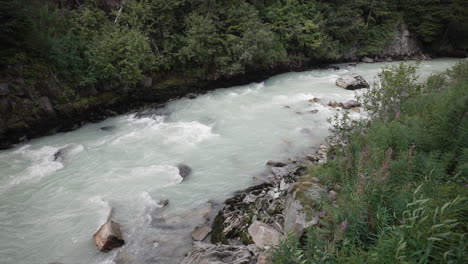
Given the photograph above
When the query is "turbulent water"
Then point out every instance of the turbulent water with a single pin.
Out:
(50, 208)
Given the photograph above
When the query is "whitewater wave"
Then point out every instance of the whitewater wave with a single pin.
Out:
(42, 164)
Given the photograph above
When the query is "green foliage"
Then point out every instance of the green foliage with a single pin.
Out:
(396, 84)
(206, 39)
(119, 55)
(401, 180)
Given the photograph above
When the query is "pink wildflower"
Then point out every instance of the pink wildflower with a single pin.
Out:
(344, 224)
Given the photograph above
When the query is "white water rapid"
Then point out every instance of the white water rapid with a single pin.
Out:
(49, 208)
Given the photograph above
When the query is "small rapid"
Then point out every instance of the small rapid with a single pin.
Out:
(51, 204)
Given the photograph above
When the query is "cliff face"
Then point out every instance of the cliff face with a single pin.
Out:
(403, 44)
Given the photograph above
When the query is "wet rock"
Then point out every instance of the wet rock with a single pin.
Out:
(333, 104)
(314, 111)
(367, 60)
(191, 96)
(333, 67)
(107, 128)
(108, 236)
(163, 203)
(60, 155)
(201, 233)
(287, 107)
(184, 170)
(352, 82)
(314, 100)
(204, 253)
(4, 90)
(263, 235)
(276, 163)
(302, 206)
(350, 104)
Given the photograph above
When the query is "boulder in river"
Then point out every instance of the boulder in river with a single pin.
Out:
(350, 104)
(276, 163)
(108, 236)
(184, 170)
(61, 153)
(333, 104)
(107, 128)
(352, 82)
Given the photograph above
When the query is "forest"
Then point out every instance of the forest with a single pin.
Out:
(121, 41)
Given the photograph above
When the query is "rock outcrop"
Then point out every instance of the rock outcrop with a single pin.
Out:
(263, 235)
(204, 253)
(302, 204)
(255, 219)
(352, 82)
(403, 44)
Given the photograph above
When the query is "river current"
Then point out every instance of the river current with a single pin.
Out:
(49, 208)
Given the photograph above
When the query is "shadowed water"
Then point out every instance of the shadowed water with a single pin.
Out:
(50, 205)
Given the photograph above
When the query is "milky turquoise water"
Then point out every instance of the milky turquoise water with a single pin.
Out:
(50, 209)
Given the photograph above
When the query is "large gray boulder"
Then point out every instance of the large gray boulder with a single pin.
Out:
(204, 253)
(108, 236)
(302, 206)
(263, 235)
(352, 82)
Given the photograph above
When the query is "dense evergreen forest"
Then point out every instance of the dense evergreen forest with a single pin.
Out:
(122, 41)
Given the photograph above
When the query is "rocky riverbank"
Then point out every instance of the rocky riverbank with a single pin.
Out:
(255, 219)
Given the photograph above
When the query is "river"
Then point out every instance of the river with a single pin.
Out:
(50, 208)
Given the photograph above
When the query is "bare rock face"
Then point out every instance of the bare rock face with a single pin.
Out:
(403, 44)
(108, 236)
(264, 235)
(352, 82)
(203, 253)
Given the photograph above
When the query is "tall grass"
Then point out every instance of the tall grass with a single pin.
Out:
(401, 176)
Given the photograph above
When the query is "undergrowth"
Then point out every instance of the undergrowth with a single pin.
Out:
(401, 177)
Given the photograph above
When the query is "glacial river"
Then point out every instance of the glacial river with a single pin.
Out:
(50, 208)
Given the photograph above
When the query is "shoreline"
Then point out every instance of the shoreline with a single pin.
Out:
(48, 118)
(254, 219)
